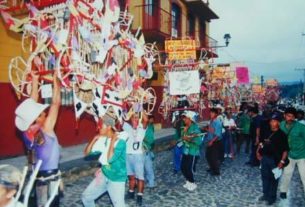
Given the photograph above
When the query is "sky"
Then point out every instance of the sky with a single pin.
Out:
(266, 36)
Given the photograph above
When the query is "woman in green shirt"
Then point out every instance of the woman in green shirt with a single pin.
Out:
(191, 149)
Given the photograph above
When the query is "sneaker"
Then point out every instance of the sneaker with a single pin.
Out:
(226, 155)
(186, 185)
(283, 195)
(139, 200)
(130, 195)
(192, 186)
(231, 156)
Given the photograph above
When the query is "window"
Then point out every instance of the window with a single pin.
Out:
(190, 25)
(150, 7)
(176, 18)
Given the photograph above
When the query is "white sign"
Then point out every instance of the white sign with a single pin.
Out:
(184, 82)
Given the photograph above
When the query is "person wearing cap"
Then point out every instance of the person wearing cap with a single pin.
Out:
(112, 175)
(295, 132)
(136, 130)
(215, 147)
(191, 148)
(38, 127)
(10, 178)
(272, 153)
(148, 144)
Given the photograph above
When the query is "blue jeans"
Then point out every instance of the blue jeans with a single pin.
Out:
(228, 142)
(135, 165)
(149, 169)
(177, 157)
(269, 182)
(100, 185)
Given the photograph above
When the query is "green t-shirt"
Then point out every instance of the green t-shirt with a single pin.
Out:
(116, 170)
(296, 139)
(244, 123)
(192, 147)
(149, 139)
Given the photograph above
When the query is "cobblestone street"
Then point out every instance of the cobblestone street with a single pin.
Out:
(238, 186)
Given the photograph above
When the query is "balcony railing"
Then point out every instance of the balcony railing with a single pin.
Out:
(210, 42)
(154, 18)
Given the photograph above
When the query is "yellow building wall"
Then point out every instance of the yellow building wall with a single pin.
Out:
(165, 5)
(137, 11)
(10, 47)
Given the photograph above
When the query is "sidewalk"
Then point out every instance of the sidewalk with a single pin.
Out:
(73, 156)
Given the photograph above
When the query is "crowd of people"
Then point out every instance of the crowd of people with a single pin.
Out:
(274, 141)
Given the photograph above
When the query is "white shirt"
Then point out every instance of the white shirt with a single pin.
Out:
(229, 122)
(134, 144)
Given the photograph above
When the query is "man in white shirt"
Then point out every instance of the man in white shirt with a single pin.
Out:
(135, 155)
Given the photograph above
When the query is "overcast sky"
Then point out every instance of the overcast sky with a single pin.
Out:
(266, 35)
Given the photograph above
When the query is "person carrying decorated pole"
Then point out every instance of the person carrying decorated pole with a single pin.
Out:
(10, 181)
(38, 132)
(191, 136)
(272, 153)
(148, 144)
(135, 155)
(112, 175)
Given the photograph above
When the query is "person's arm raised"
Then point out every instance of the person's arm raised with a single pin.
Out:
(35, 84)
(55, 105)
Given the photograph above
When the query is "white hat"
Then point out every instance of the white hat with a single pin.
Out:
(191, 115)
(27, 112)
(218, 106)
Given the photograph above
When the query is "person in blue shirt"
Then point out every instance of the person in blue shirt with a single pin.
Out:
(214, 146)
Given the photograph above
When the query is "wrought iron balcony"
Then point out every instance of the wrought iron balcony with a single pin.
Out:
(154, 19)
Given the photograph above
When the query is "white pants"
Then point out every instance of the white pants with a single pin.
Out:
(99, 186)
(288, 172)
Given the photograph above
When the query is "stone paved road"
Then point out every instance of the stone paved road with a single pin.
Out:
(238, 186)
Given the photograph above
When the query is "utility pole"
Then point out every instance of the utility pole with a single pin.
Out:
(302, 69)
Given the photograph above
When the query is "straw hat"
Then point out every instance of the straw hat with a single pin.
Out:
(27, 112)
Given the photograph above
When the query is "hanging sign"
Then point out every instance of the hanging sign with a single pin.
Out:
(184, 82)
(180, 49)
(242, 75)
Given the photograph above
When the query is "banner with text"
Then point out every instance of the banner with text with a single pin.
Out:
(180, 49)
